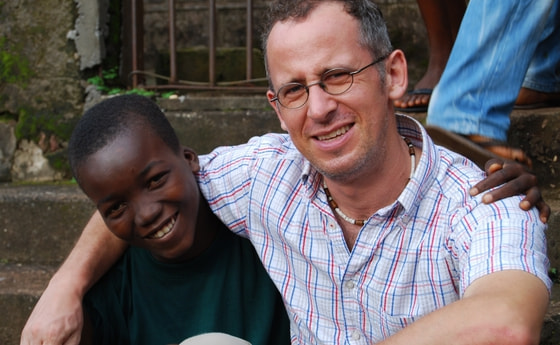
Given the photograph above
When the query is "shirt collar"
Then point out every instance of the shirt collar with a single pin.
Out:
(427, 164)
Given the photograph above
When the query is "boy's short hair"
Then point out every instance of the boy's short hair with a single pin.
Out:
(102, 123)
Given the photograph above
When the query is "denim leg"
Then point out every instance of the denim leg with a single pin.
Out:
(487, 65)
(544, 70)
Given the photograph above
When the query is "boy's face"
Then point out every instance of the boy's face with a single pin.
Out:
(147, 194)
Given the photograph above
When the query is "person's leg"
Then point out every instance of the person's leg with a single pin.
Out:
(541, 86)
(486, 67)
(442, 19)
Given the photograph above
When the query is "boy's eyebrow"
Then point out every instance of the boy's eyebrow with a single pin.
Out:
(142, 173)
(148, 167)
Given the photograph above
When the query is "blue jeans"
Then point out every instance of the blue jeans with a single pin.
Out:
(501, 46)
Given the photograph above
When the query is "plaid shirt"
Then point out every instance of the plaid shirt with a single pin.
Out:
(411, 257)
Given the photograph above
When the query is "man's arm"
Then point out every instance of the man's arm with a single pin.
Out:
(57, 318)
(506, 307)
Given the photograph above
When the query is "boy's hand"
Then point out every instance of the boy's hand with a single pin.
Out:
(517, 179)
(57, 319)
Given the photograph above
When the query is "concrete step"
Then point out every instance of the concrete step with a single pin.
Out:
(39, 224)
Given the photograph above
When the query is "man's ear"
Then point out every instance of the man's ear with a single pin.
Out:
(192, 159)
(397, 75)
(276, 107)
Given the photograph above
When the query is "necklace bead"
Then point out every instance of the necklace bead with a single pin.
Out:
(361, 222)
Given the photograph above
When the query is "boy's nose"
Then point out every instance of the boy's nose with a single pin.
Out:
(147, 213)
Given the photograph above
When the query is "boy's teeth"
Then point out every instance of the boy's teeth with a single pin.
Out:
(164, 230)
(334, 134)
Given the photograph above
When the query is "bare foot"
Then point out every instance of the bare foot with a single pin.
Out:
(528, 99)
(419, 97)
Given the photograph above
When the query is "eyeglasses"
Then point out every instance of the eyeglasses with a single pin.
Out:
(335, 81)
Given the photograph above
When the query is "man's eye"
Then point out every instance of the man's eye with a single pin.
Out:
(292, 90)
(336, 76)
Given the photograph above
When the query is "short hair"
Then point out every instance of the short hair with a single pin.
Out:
(105, 121)
(373, 28)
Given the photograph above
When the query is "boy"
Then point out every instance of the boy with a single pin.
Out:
(185, 272)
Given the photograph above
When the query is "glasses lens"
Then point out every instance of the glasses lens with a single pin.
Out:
(337, 81)
(292, 95)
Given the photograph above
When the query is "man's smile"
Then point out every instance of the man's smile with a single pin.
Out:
(335, 133)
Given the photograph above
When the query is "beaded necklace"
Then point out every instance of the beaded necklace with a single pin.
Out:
(361, 222)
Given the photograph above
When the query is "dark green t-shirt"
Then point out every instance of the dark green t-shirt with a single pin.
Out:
(226, 289)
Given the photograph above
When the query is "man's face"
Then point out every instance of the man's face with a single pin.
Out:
(341, 135)
(146, 193)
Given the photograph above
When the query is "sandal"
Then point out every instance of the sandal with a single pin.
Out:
(420, 108)
(477, 148)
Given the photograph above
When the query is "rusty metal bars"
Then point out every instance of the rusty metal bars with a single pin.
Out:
(172, 81)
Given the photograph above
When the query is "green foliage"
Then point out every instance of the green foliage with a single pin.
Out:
(168, 94)
(110, 77)
(141, 92)
(29, 126)
(14, 69)
(554, 275)
(104, 82)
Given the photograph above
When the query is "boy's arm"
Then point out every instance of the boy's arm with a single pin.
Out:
(57, 317)
(517, 180)
(506, 307)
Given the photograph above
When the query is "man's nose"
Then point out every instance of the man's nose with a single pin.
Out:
(319, 103)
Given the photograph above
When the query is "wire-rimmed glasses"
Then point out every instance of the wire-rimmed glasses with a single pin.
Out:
(335, 81)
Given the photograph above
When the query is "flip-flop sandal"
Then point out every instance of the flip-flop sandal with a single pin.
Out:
(416, 108)
(477, 150)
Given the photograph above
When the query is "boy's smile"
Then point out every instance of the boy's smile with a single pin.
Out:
(147, 194)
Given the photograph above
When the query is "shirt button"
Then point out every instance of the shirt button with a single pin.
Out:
(356, 335)
(350, 285)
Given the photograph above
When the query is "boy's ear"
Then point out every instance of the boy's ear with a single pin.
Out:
(192, 158)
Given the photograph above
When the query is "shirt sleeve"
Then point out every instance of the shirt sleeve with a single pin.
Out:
(500, 236)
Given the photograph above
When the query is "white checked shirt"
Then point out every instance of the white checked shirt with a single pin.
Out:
(412, 257)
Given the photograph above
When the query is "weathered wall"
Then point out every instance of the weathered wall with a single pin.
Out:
(403, 20)
(49, 48)
(39, 80)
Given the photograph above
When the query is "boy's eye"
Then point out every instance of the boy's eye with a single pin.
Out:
(157, 180)
(115, 210)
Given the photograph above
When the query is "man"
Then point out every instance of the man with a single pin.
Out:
(366, 228)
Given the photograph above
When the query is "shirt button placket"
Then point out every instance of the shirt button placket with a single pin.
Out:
(351, 310)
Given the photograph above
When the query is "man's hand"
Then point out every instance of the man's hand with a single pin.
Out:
(516, 179)
(57, 318)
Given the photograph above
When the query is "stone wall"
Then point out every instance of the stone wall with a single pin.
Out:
(49, 49)
(41, 89)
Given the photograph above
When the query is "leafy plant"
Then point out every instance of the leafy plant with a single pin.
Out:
(13, 69)
(553, 274)
(109, 77)
(104, 81)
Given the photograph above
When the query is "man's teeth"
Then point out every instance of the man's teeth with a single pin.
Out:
(164, 231)
(334, 134)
